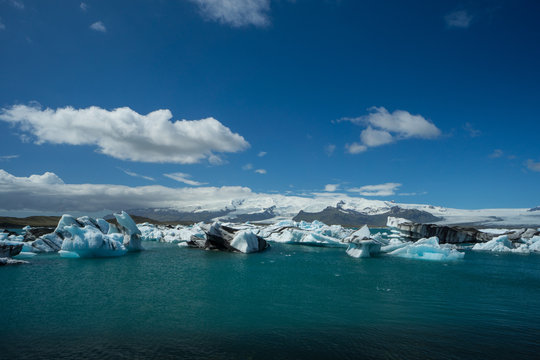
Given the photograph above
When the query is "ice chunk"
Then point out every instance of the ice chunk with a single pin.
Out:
(68, 254)
(427, 249)
(127, 224)
(66, 220)
(90, 242)
(10, 261)
(360, 234)
(10, 248)
(103, 225)
(498, 244)
(245, 241)
(364, 248)
(49, 242)
(132, 238)
(25, 255)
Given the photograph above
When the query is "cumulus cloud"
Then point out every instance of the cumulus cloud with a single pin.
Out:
(247, 167)
(134, 174)
(458, 19)
(355, 148)
(372, 137)
(260, 171)
(48, 192)
(237, 13)
(125, 134)
(386, 189)
(331, 187)
(84, 6)
(384, 127)
(262, 153)
(183, 178)
(533, 165)
(98, 26)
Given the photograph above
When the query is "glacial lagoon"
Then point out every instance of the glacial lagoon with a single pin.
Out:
(290, 301)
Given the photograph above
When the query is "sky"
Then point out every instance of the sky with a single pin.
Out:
(427, 102)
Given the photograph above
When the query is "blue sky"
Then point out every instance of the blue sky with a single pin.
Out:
(431, 101)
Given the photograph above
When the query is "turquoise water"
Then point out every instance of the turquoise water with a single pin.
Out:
(288, 302)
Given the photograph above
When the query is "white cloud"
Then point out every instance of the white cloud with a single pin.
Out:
(2, 26)
(458, 19)
(8, 157)
(532, 165)
(329, 149)
(98, 26)
(247, 167)
(47, 192)
(355, 148)
(384, 127)
(17, 4)
(331, 187)
(260, 171)
(386, 189)
(262, 153)
(237, 13)
(124, 134)
(84, 6)
(372, 137)
(134, 174)
(184, 178)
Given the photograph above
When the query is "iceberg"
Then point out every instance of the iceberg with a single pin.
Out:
(224, 238)
(88, 241)
(364, 248)
(245, 241)
(169, 234)
(10, 248)
(427, 249)
(132, 234)
(503, 244)
(10, 261)
(498, 244)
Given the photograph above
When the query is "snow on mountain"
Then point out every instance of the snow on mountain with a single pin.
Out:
(273, 207)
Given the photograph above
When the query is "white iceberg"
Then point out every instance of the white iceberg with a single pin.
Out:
(245, 241)
(132, 234)
(88, 241)
(427, 249)
(364, 248)
(498, 244)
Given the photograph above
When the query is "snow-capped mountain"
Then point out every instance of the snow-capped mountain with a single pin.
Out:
(336, 209)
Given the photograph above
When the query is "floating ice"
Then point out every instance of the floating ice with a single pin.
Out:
(132, 234)
(10, 261)
(245, 241)
(503, 244)
(91, 242)
(25, 255)
(364, 248)
(179, 233)
(498, 244)
(427, 249)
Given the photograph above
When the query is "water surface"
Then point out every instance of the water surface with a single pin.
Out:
(289, 302)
